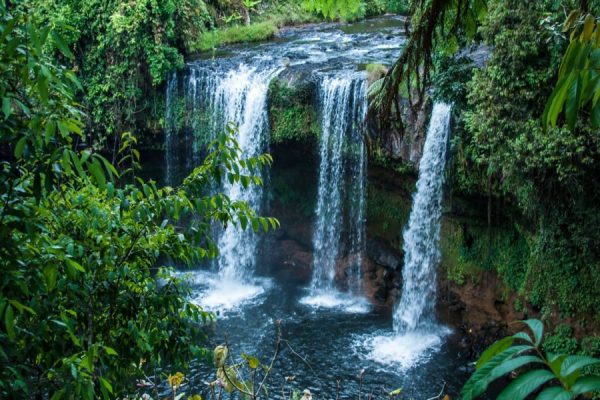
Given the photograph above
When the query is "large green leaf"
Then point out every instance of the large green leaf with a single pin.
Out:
(479, 381)
(537, 328)
(512, 365)
(572, 364)
(50, 274)
(586, 384)
(525, 384)
(494, 349)
(572, 103)
(554, 393)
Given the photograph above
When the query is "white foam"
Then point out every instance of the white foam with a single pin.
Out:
(328, 299)
(403, 351)
(225, 295)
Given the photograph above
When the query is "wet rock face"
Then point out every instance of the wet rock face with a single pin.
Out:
(405, 147)
(479, 310)
(384, 255)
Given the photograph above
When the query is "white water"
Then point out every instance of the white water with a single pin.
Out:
(222, 296)
(241, 97)
(215, 96)
(331, 299)
(341, 185)
(416, 335)
(170, 132)
(421, 238)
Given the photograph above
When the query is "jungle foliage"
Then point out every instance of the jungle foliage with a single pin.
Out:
(549, 375)
(85, 307)
(549, 176)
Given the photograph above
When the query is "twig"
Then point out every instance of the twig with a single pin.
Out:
(440, 394)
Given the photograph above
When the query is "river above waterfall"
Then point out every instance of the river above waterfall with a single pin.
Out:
(376, 40)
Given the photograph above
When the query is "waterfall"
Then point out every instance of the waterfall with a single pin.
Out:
(342, 175)
(421, 238)
(170, 132)
(216, 95)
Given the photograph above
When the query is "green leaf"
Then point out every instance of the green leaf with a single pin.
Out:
(110, 351)
(479, 381)
(537, 328)
(512, 365)
(66, 162)
(58, 394)
(106, 385)
(586, 384)
(77, 164)
(494, 349)
(112, 171)
(20, 147)
(573, 363)
(74, 265)
(50, 274)
(525, 384)
(9, 321)
(588, 28)
(62, 46)
(6, 107)
(555, 361)
(97, 173)
(43, 88)
(87, 362)
(554, 393)
(21, 307)
(572, 103)
(253, 362)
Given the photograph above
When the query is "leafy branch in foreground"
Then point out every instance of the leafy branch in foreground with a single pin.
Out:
(433, 22)
(83, 296)
(558, 376)
(578, 82)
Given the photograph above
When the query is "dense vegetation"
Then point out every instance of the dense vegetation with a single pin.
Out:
(550, 175)
(86, 307)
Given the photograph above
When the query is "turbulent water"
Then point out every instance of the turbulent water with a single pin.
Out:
(421, 239)
(341, 185)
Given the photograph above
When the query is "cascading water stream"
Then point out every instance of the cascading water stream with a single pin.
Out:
(415, 332)
(170, 133)
(421, 238)
(341, 186)
(214, 97)
(241, 97)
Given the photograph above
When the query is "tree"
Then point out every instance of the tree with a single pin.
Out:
(85, 306)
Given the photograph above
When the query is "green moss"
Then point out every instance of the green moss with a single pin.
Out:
(561, 341)
(292, 114)
(452, 245)
(387, 212)
(235, 34)
(469, 247)
(375, 72)
(590, 346)
(379, 158)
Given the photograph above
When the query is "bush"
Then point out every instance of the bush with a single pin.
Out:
(235, 34)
